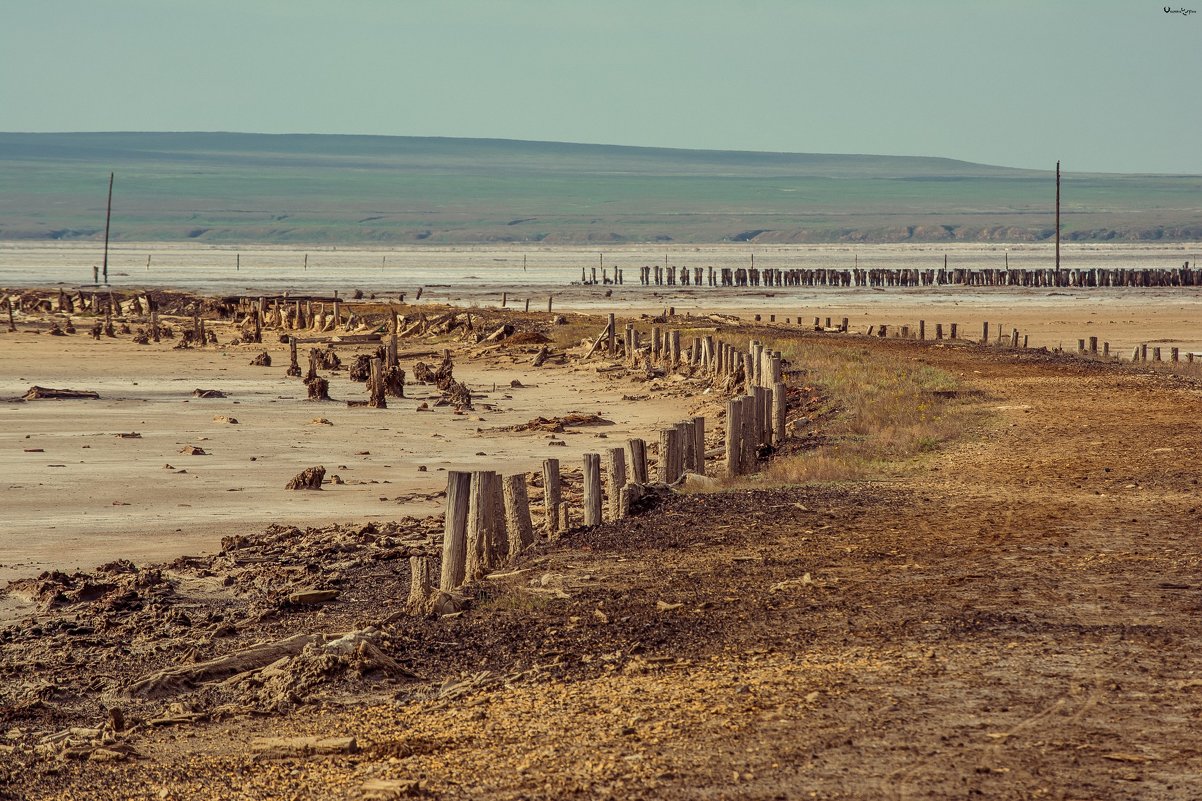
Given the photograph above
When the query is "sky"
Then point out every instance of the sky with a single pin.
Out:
(1104, 86)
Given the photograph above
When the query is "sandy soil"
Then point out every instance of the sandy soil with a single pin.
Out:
(1012, 616)
(76, 494)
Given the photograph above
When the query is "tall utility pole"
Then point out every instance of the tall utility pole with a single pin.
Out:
(108, 215)
(1057, 215)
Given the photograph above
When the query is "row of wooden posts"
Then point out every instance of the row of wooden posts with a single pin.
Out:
(671, 275)
(488, 515)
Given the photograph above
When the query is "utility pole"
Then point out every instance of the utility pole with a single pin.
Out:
(1057, 216)
(108, 216)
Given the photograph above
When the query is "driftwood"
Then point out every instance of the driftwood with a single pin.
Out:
(262, 360)
(46, 393)
(207, 393)
(181, 677)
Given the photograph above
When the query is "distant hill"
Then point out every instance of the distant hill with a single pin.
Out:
(231, 187)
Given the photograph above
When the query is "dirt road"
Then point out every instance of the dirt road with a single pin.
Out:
(1013, 616)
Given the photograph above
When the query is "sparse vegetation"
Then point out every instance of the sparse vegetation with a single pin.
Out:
(879, 409)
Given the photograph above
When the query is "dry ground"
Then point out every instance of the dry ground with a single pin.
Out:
(1013, 616)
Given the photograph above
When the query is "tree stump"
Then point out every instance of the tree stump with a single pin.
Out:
(308, 479)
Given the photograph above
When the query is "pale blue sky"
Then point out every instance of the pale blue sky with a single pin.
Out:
(1104, 86)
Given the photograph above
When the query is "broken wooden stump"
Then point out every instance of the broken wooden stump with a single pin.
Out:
(262, 360)
(308, 479)
(419, 584)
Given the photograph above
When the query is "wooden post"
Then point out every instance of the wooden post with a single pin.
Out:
(674, 349)
(778, 412)
(1175, 354)
(922, 329)
(985, 333)
(517, 514)
(592, 489)
(749, 438)
(375, 385)
(1093, 345)
(549, 298)
(637, 449)
(615, 469)
(12, 326)
(669, 442)
(611, 343)
(479, 525)
(551, 493)
(938, 331)
(684, 448)
(293, 365)
(734, 433)
(454, 530)
(698, 449)
(952, 332)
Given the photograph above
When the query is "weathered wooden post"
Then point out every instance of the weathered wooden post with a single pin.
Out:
(674, 349)
(375, 385)
(985, 333)
(611, 343)
(669, 443)
(517, 514)
(922, 329)
(734, 432)
(1175, 354)
(454, 530)
(751, 435)
(637, 450)
(551, 496)
(592, 489)
(293, 365)
(684, 447)
(698, 448)
(952, 332)
(938, 331)
(479, 524)
(615, 470)
(12, 326)
(779, 399)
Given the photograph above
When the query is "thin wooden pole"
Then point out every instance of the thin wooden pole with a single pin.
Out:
(108, 216)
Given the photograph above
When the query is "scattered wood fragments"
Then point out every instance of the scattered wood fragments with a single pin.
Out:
(558, 424)
(46, 393)
(212, 393)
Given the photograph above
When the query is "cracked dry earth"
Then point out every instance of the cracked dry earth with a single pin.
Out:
(1013, 616)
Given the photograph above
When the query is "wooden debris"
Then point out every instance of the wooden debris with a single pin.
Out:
(46, 393)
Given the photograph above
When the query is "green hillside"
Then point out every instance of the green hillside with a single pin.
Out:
(225, 187)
